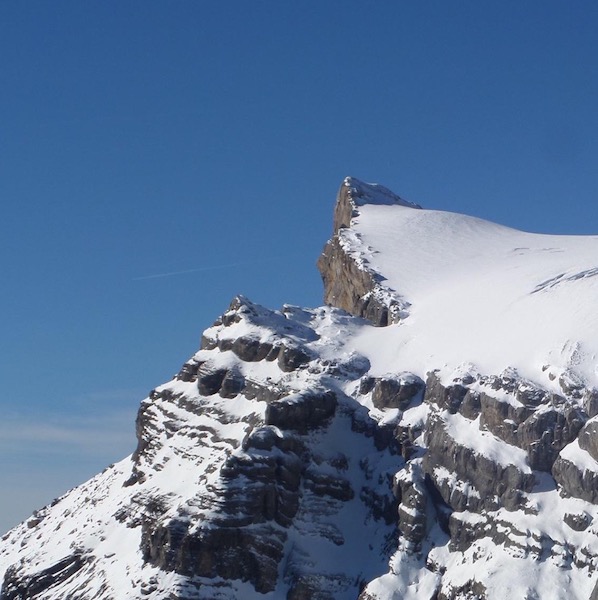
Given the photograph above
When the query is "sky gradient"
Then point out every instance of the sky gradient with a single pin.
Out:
(158, 158)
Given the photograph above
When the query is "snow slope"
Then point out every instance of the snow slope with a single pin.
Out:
(480, 293)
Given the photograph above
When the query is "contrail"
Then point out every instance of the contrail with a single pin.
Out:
(210, 268)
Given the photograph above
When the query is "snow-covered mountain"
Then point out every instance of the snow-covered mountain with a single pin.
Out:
(429, 434)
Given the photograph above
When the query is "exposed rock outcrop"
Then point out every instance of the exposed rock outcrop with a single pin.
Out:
(395, 391)
(18, 586)
(237, 525)
(348, 282)
(576, 481)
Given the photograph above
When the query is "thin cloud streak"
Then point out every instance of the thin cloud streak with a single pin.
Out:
(241, 263)
(86, 435)
(199, 270)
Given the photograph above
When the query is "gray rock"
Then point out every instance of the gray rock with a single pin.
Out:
(243, 538)
(326, 484)
(472, 590)
(396, 391)
(574, 482)
(578, 521)
(189, 371)
(502, 418)
(260, 487)
(209, 379)
(351, 367)
(545, 433)
(464, 534)
(308, 587)
(445, 397)
(232, 384)
(501, 532)
(496, 485)
(18, 586)
(269, 437)
(588, 438)
(207, 342)
(366, 385)
(471, 405)
(239, 308)
(247, 554)
(302, 411)
(590, 402)
(405, 436)
(384, 435)
(412, 511)
(347, 284)
(524, 391)
(263, 391)
(382, 504)
(251, 349)
(291, 358)
(225, 344)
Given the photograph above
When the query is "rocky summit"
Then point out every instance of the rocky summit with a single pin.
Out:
(431, 433)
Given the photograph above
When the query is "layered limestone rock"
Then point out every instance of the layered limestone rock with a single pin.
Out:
(274, 478)
(474, 489)
(349, 283)
(255, 473)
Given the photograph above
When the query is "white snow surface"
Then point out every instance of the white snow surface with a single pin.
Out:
(479, 292)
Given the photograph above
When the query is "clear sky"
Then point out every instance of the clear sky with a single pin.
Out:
(157, 158)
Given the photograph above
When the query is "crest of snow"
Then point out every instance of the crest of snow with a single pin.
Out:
(373, 193)
(479, 293)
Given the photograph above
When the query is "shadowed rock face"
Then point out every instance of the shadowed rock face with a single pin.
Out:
(276, 479)
(576, 482)
(588, 438)
(395, 391)
(275, 484)
(348, 286)
(301, 411)
(495, 485)
(230, 553)
(17, 587)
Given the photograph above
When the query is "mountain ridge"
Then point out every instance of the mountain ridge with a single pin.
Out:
(405, 441)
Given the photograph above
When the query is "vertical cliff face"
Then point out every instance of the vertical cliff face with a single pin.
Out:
(307, 454)
(350, 282)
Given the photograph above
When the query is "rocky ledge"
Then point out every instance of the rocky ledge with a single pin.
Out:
(349, 282)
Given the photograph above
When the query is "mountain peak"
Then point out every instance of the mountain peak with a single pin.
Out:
(373, 193)
(354, 193)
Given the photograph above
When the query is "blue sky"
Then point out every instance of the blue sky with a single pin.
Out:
(207, 141)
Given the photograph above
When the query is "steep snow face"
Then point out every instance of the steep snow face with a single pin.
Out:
(479, 293)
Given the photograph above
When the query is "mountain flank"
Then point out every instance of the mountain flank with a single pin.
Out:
(430, 433)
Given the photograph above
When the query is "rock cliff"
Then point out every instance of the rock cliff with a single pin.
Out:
(350, 282)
